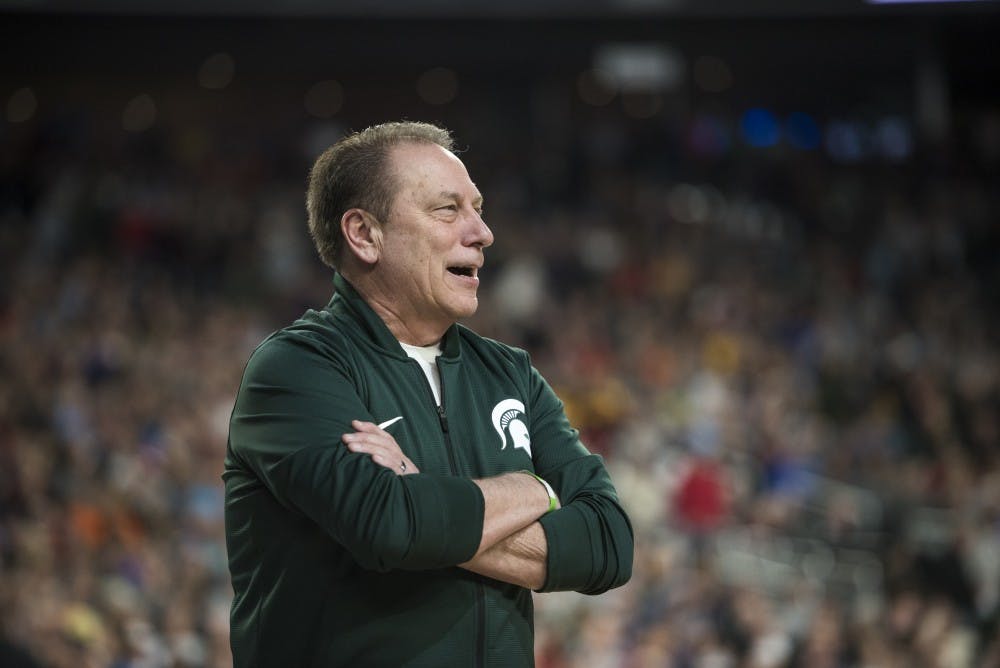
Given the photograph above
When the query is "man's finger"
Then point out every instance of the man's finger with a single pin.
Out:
(391, 459)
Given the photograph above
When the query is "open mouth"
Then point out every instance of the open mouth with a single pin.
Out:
(463, 271)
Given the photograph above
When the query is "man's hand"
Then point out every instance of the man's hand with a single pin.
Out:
(380, 446)
(510, 549)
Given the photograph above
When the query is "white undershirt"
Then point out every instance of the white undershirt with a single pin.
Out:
(426, 356)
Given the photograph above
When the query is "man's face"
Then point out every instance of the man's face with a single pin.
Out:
(433, 241)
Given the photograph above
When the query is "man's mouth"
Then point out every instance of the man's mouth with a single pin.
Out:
(469, 271)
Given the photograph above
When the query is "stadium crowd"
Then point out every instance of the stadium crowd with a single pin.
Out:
(792, 367)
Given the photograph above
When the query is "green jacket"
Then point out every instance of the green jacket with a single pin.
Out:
(337, 561)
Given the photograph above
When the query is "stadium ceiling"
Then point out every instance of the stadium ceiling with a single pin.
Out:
(500, 8)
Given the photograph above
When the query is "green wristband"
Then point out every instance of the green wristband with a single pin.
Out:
(553, 499)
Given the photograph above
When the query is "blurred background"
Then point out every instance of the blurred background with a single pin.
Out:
(754, 246)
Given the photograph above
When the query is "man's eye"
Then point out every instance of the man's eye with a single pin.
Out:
(448, 207)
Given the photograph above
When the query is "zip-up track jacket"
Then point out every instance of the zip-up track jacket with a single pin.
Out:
(337, 561)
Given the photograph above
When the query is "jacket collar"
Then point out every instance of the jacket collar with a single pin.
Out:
(358, 309)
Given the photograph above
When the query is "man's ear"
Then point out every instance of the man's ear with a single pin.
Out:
(362, 234)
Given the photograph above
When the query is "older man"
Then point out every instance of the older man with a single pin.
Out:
(393, 480)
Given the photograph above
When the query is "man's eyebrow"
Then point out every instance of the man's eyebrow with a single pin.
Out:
(446, 194)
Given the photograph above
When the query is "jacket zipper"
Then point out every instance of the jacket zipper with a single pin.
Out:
(442, 415)
(479, 606)
(479, 617)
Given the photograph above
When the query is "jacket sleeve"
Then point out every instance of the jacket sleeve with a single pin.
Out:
(590, 539)
(294, 404)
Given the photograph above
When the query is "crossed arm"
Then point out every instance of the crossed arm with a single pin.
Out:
(513, 547)
(499, 526)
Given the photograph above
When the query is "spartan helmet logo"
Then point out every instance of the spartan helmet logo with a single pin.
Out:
(509, 418)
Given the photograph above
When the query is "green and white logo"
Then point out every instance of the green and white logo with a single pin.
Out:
(510, 421)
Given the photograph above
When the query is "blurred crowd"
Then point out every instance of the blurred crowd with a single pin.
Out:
(791, 366)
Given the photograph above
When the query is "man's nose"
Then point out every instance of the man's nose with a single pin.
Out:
(482, 235)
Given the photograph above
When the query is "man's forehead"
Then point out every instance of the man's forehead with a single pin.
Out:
(419, 156)
(433, 168)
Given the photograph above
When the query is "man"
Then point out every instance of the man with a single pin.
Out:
(393, 480)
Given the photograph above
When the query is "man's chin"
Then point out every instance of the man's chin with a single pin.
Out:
(465, 308)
